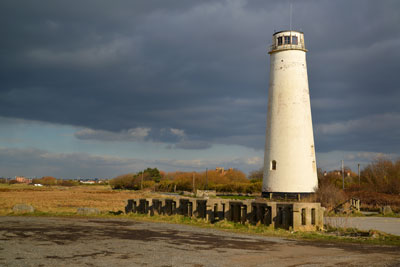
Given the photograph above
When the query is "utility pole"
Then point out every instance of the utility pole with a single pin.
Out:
(193, 184)
(343, 173)
(206, 178)
(359, 180)
(141, 182)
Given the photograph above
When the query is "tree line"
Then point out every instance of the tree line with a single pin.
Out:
(231, 180)
(378, 184)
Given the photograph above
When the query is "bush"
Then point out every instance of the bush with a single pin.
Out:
(247, 188)
(373, 201)
(256, 176)
(183, 185)
(148, 184)
(125, 181)
(151, 174)
(67, 183)
(383, 176)
(165, 186)
(45, 180)
(329, 195)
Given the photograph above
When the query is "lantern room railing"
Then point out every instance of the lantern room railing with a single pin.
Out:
(276, 47)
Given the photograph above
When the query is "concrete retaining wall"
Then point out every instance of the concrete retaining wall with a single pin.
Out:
(298, 216)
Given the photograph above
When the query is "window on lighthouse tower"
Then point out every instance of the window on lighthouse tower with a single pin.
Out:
(273, 165)
(287, 39)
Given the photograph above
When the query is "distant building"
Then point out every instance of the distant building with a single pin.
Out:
(222, 170)
(347, 173)
(87, 182)
(23, 180)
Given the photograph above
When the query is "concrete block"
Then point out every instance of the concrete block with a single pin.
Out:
(87, 211)
(23, 208)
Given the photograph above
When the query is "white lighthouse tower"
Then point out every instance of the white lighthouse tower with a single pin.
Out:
(289, 161)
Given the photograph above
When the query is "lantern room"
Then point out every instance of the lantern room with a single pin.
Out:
(288, 40)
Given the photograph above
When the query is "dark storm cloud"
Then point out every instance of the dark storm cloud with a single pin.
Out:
(193, 144)
(197, 66)
(43, 163)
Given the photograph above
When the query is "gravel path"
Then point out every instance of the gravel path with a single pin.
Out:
(41, 241)
(384, 224)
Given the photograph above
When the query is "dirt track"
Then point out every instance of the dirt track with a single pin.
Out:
(40, 241)
(384, 224)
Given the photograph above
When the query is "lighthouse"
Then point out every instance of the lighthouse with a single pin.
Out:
(289, 160)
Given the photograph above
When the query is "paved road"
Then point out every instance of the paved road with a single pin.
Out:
(384, 224)
(40, 241)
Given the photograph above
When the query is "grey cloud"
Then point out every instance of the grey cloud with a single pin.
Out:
(136, 134)
(379, 133)
(192, 145)
(371, 124)
(40, 163)
(197, 66)
(370, 156)
(140, 134)
(167, 135)
(332, 160)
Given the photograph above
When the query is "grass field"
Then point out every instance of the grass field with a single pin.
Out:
(57, 199)
(237, 197)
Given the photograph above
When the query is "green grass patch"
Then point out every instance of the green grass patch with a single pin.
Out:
(236, 197)
(353, 214)
(37, 213)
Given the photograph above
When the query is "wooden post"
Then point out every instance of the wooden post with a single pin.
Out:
(194, 189)
(141, 182)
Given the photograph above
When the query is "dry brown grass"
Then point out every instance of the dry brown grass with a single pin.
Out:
(329, 195)
(375, 201)
(58, 199)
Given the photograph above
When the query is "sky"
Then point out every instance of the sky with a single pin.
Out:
(98, 88)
